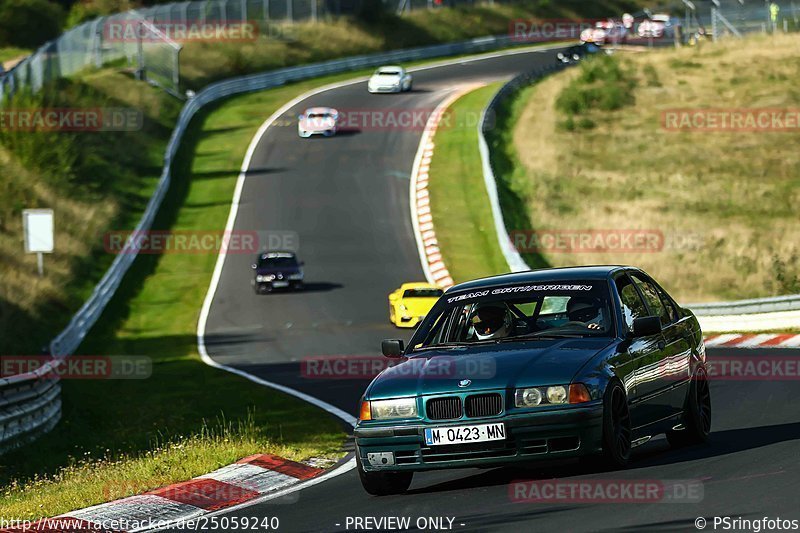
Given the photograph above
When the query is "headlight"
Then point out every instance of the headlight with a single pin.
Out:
(557, 394)
(553, 395)
(527, 397)
(266, 277)
(400, 408)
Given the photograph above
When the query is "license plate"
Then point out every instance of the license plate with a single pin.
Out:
(464, 434)
(279, 284)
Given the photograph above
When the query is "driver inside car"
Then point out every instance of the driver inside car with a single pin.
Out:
(492, 321)
(585, 311)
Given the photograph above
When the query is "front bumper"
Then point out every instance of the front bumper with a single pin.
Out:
(569, 432)
(385, 89)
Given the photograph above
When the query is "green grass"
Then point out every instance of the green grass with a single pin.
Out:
(724, 201)
(460, 205)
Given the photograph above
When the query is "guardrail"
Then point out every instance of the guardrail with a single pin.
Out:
(777, 312)
(30, 404)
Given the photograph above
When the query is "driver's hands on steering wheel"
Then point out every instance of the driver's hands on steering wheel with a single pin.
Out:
(593, 326)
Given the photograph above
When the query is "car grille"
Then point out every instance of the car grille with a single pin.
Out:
(447, 408)
(483, 405)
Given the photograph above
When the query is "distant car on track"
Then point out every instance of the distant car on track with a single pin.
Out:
(277, 270)
(569, 362)
(573, 54)
(318, 121)
(409, 304)
(390, 79)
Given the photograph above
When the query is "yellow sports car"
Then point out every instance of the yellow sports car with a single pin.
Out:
(411, 302)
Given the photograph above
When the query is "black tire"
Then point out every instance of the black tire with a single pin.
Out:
(696, 414)
(616, 427)
(383, 483)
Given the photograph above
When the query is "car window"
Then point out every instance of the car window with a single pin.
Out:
(422, 293)
(632, 305)
(564, 309)
(653, 299)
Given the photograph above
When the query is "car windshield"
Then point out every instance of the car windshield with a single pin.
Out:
(276, 261)
(318, 115)
(423, 293)
(561, 309)
(388, 73)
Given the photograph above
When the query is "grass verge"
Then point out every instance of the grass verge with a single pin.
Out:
(460, 205)
(724, 201)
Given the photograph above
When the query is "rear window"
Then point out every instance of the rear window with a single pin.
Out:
(423, 293)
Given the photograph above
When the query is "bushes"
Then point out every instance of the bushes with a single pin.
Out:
(602, 84)
(29, 23)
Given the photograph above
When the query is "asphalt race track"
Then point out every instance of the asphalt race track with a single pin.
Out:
(346, 197)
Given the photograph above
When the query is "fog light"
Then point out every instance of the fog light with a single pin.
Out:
(381, 458)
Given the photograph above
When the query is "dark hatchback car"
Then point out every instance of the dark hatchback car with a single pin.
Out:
(572, 362)
(277, 270)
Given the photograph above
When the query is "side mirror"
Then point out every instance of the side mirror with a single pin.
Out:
(646, 326)
(254, 266)
(302, 263)
(392, 348)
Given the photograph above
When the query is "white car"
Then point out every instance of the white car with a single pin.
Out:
(389, 79)
(657, 26)
(318, 121)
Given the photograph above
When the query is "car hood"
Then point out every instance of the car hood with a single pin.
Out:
(496, 366)
(418, 306)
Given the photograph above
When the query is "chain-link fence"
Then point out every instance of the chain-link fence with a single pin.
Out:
(739, 17)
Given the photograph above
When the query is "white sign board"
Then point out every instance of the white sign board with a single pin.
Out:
(38, 227)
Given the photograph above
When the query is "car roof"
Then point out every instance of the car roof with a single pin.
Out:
(320, 110)
(592, 272)
(277, 253)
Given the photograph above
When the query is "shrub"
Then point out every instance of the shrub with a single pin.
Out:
(29, 23)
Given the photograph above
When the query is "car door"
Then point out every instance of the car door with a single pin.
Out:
(638, 350)
(661, 374)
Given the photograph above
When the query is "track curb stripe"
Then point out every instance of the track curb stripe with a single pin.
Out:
(753, 340)
(421, 218)
(231, 485)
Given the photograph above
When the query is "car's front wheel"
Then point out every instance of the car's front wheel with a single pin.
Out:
(696, 414)
(616, 440)
(383, 483)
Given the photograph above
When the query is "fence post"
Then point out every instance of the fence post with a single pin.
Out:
(266, 10)
(313, 10)
(289, 11)
(140, 73)
(714, 24)
(98, 43)
(244, 11)
(176, 69)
